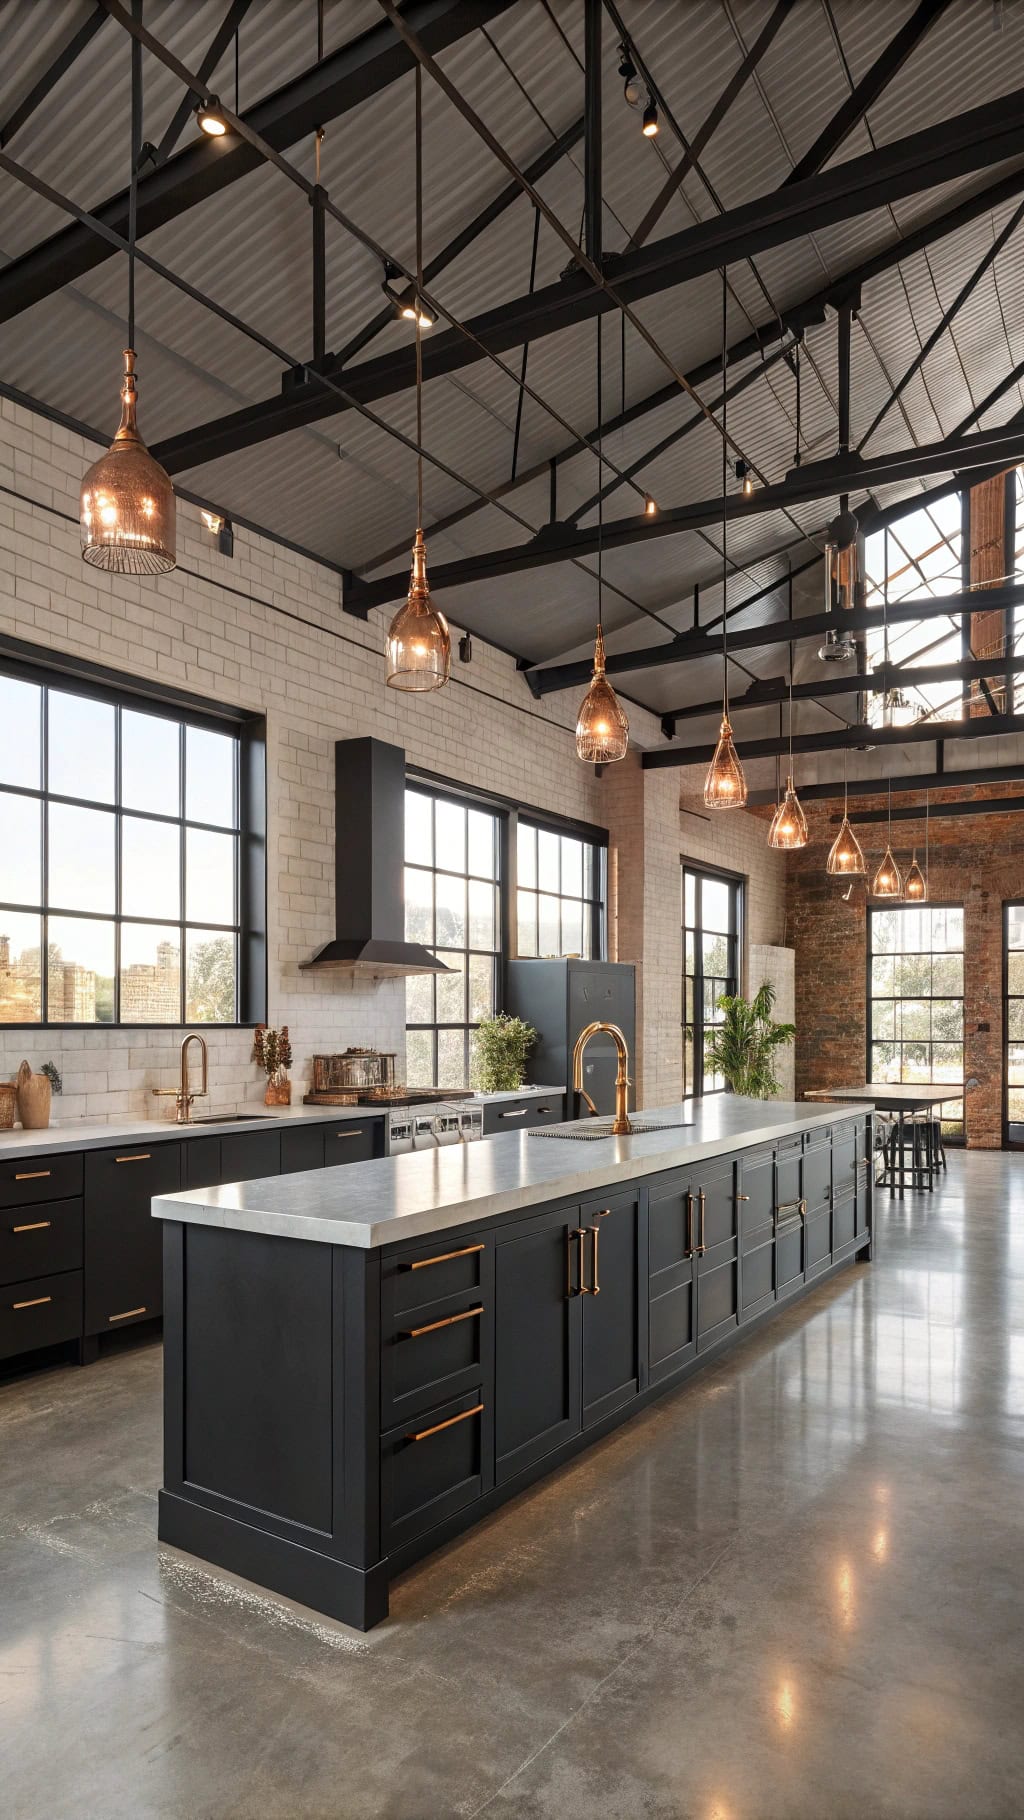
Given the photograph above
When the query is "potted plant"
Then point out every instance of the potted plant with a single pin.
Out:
(502, 1046)
(272, 1051)
(743, 1046)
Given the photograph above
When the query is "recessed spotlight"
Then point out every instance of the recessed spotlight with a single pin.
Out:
(650, 127)
(210, 118)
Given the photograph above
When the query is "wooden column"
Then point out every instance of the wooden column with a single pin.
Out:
(990, 564)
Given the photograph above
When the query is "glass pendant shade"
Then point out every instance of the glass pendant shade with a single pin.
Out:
(725, 786)
(789, 823)
(602, 729)
(845, 858)
(126, 505)
(841, 572)
(888, 880)
(915, 887)
(419, 646)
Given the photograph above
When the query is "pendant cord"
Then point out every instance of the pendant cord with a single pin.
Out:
(927, 804)
(846, 786)
(796, 373)
(237, 108)
(789, 599)
(600, 485)
(133, 190)
(725, 482)
(419, 293)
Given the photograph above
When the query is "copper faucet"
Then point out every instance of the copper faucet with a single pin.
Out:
(184, 1094)
(621, 1126)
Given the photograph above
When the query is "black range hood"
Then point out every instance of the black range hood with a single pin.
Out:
(369, 863)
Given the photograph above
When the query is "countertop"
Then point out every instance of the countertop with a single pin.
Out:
(406, 1197)
(93, 1134)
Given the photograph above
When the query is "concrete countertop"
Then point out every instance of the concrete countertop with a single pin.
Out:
(408, 1197)
(94, 1134)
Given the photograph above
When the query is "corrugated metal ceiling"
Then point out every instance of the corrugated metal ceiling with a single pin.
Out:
(343, 487)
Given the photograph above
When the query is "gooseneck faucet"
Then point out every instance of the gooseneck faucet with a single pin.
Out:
(184, 1094)
(621, 1126)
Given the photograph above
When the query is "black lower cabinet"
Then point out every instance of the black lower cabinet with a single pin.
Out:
(538, 1271)
(332, 1414)
(122, 1241)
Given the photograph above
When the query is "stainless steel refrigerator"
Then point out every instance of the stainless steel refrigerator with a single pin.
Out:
(559, 998)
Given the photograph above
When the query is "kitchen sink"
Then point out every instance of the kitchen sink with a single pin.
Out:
(591, 1129)
(229, 1118)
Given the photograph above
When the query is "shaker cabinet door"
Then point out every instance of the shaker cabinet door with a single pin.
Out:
(123, 1243)
(611, 1323)
(537, 1311)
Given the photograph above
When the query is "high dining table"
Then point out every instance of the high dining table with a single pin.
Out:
(901, 1100)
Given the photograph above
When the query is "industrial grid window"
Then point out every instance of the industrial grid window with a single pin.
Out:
(916, 1001)
(712, 907)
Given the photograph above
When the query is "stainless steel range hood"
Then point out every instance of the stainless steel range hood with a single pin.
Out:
(369, 861)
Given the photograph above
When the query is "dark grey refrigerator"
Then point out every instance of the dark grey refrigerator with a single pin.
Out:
(559, 998)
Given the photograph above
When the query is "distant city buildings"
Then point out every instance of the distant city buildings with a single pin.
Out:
(150, 991)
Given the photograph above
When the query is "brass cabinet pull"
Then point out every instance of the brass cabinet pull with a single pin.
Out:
(32, 1175)
(580, 1288)
(688, 1253)
(349, 1134)
(799, 1207)
(32, 1226)
(413, 1333)
(519, 1113)
(36, 1302)
(701, 1247)
(141, 1156)
(127, 1315)
(743, 1197)
(464, 1417)
(443, 1258)
(595, 1287)
(542, 1109)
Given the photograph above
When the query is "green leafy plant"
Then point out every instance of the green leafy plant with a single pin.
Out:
(502, 1046)
(743, 1047)
(52, 1073)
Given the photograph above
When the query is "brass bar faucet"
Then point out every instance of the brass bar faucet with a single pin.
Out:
(621, 1126)
(184, 1094)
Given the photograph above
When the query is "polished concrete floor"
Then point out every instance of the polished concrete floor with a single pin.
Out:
(795, 1588)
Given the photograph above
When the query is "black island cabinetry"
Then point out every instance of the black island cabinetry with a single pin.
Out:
(334, 1412)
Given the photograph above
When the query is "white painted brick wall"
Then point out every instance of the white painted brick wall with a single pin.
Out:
(265, 631)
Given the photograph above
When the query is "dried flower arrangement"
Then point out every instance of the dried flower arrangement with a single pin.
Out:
(272, 1051)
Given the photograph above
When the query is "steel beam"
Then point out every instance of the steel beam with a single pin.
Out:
(886, 65)
(690, 645)
(61, 63)
(919, 812)
(764, 693)
(847, 739)
(321, 94)
(903, 781)
(818, 480)
(968, 142)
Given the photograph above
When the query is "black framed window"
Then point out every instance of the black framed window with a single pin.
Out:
(123, 884)
(452, 906)
(560, 893)
(1013, 1020)
(916, 1000)
(712, 907)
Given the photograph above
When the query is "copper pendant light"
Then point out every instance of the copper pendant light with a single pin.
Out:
(126, 505)
(419, 645)
(888, 880)
(846, 858)
(915, 888)
(602, 728)
(789, 823)
(725, 786)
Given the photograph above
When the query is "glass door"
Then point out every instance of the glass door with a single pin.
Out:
(711, 916)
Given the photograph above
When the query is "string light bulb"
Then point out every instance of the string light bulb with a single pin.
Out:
(650, 506)
(725, 786)
(746, 479)
(789, 823)
(650, 126)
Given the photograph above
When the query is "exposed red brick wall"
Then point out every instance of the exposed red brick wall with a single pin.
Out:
(978, 862)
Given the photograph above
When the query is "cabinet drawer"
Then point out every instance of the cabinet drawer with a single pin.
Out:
(716, 1302)
(843, 1221)
(756, 1181)
(671, 1226)
(302, 1149)
(758, 1279)
(508, 1115)
(672, 1333)
(787, 1179)
(247, 1156)
(716, 1208)
(844, 1162)
(40, 1312)
(355, 1143)
(41, 1240)
(201, 1168)
(547, 1110)
(40, 1178)
(420, 1283)
(789, 1253)
(429, 1361)
(817, 1179)
(430, 1468)
(817, 1240)
(122, 1242)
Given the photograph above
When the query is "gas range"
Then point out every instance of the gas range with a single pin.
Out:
(420, 1127)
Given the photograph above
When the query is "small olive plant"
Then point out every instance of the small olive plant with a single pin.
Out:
(502, 1046)
(272, 1051)
(743, 1047)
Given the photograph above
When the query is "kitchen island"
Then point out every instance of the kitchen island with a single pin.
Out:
(361, 1362)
